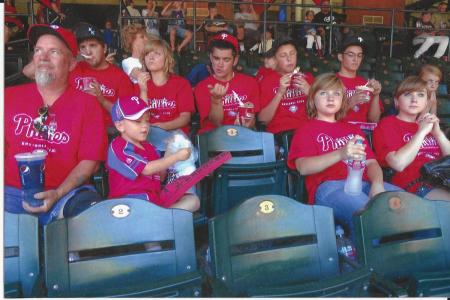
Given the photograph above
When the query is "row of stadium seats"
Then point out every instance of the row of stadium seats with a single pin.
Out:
(267, 246)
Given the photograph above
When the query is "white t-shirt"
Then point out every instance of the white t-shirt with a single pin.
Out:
(128, 64)
(247, 17)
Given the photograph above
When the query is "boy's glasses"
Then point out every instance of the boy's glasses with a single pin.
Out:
(39, 122)
(353, 55)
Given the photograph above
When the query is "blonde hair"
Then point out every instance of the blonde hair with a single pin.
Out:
(410, 84)
(326, 81)
(169, 61)
(128, 35)
(430, 69)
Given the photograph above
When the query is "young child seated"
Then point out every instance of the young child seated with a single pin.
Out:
(135, 168)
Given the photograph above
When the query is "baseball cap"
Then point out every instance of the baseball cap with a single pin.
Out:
(129, 107)
(86, 31)
(37, 30)
(353, 41)
(226, 37)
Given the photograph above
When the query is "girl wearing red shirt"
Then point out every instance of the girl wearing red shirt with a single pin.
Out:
(408, 140)
(322, 146)
(169, 96)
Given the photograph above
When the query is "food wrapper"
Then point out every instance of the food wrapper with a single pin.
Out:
(177, 142)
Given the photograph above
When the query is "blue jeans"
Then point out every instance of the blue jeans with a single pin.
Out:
(331, 193)
(74, 202)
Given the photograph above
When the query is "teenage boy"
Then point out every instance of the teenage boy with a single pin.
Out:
(364, 103)
(219, 96)
(135, 168)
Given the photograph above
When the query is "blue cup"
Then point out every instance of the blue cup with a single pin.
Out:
(31, 171)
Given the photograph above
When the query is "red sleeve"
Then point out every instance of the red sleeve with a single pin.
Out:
(380, 143)
(266, 87)
(185, 97)
(309, 78)
(254, 94)
(301, 146)
(93, 142)
(126, 87)
(203, 100)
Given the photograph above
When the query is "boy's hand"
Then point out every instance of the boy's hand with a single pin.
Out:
(183, 154)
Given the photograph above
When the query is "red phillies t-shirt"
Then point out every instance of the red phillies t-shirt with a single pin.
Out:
(244, 87)
(315, 137)
(390, 135)
(292, 108)
(169, 100)
(125, 164)
(113, 82)
(359, 112)
(263, 72)
(80, 132)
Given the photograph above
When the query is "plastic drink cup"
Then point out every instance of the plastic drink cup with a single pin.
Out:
(87, 83)
(246, 112)
(367, 92)
(31, 171)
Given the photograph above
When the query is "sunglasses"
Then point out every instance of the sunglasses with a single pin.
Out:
(39, 122)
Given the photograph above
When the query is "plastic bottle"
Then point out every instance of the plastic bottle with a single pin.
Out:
(355, 168)
(345, 247)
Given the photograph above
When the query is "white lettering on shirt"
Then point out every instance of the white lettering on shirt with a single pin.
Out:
(24, 127)
(329, 142)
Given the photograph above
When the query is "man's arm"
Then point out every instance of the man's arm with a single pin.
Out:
(77, 177)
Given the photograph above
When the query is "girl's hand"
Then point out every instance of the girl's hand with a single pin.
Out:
(301, 83)
(352, 150)
(142, 79)
(285, 82)
(426, 123)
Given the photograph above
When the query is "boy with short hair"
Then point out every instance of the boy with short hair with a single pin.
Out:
(135, 168)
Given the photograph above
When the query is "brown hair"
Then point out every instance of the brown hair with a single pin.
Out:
(431, 69)
(169, 61)
(326, 81)
(410, 84)
(128, 35)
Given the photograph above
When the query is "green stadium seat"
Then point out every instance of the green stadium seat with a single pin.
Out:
(412, 243)
(122, 247)
(252, 170)
(22, 271)
(273, 246)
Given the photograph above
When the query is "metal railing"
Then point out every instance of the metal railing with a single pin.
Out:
(264, 22)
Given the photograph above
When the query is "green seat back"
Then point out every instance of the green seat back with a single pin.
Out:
(400, 233)
(101, 252)
(245, 145)
(21, 254)
(270, 241)
(232, 184)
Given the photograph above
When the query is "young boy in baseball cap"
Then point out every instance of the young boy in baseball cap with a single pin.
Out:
(135, 168)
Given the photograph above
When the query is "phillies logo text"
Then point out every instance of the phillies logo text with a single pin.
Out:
(24, 126)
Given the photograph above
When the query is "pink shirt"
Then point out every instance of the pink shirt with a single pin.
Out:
(316, 137)
(80, 132)
(169, 100)
(390, 135)
(113, 81)
(244, 86)
(291, 111)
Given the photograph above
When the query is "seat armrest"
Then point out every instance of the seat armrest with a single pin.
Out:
(387, 287)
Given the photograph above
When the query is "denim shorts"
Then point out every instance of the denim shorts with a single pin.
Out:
(180, 31)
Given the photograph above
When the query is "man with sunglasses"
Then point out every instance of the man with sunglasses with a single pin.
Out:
(363, 102)
(51, 115)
